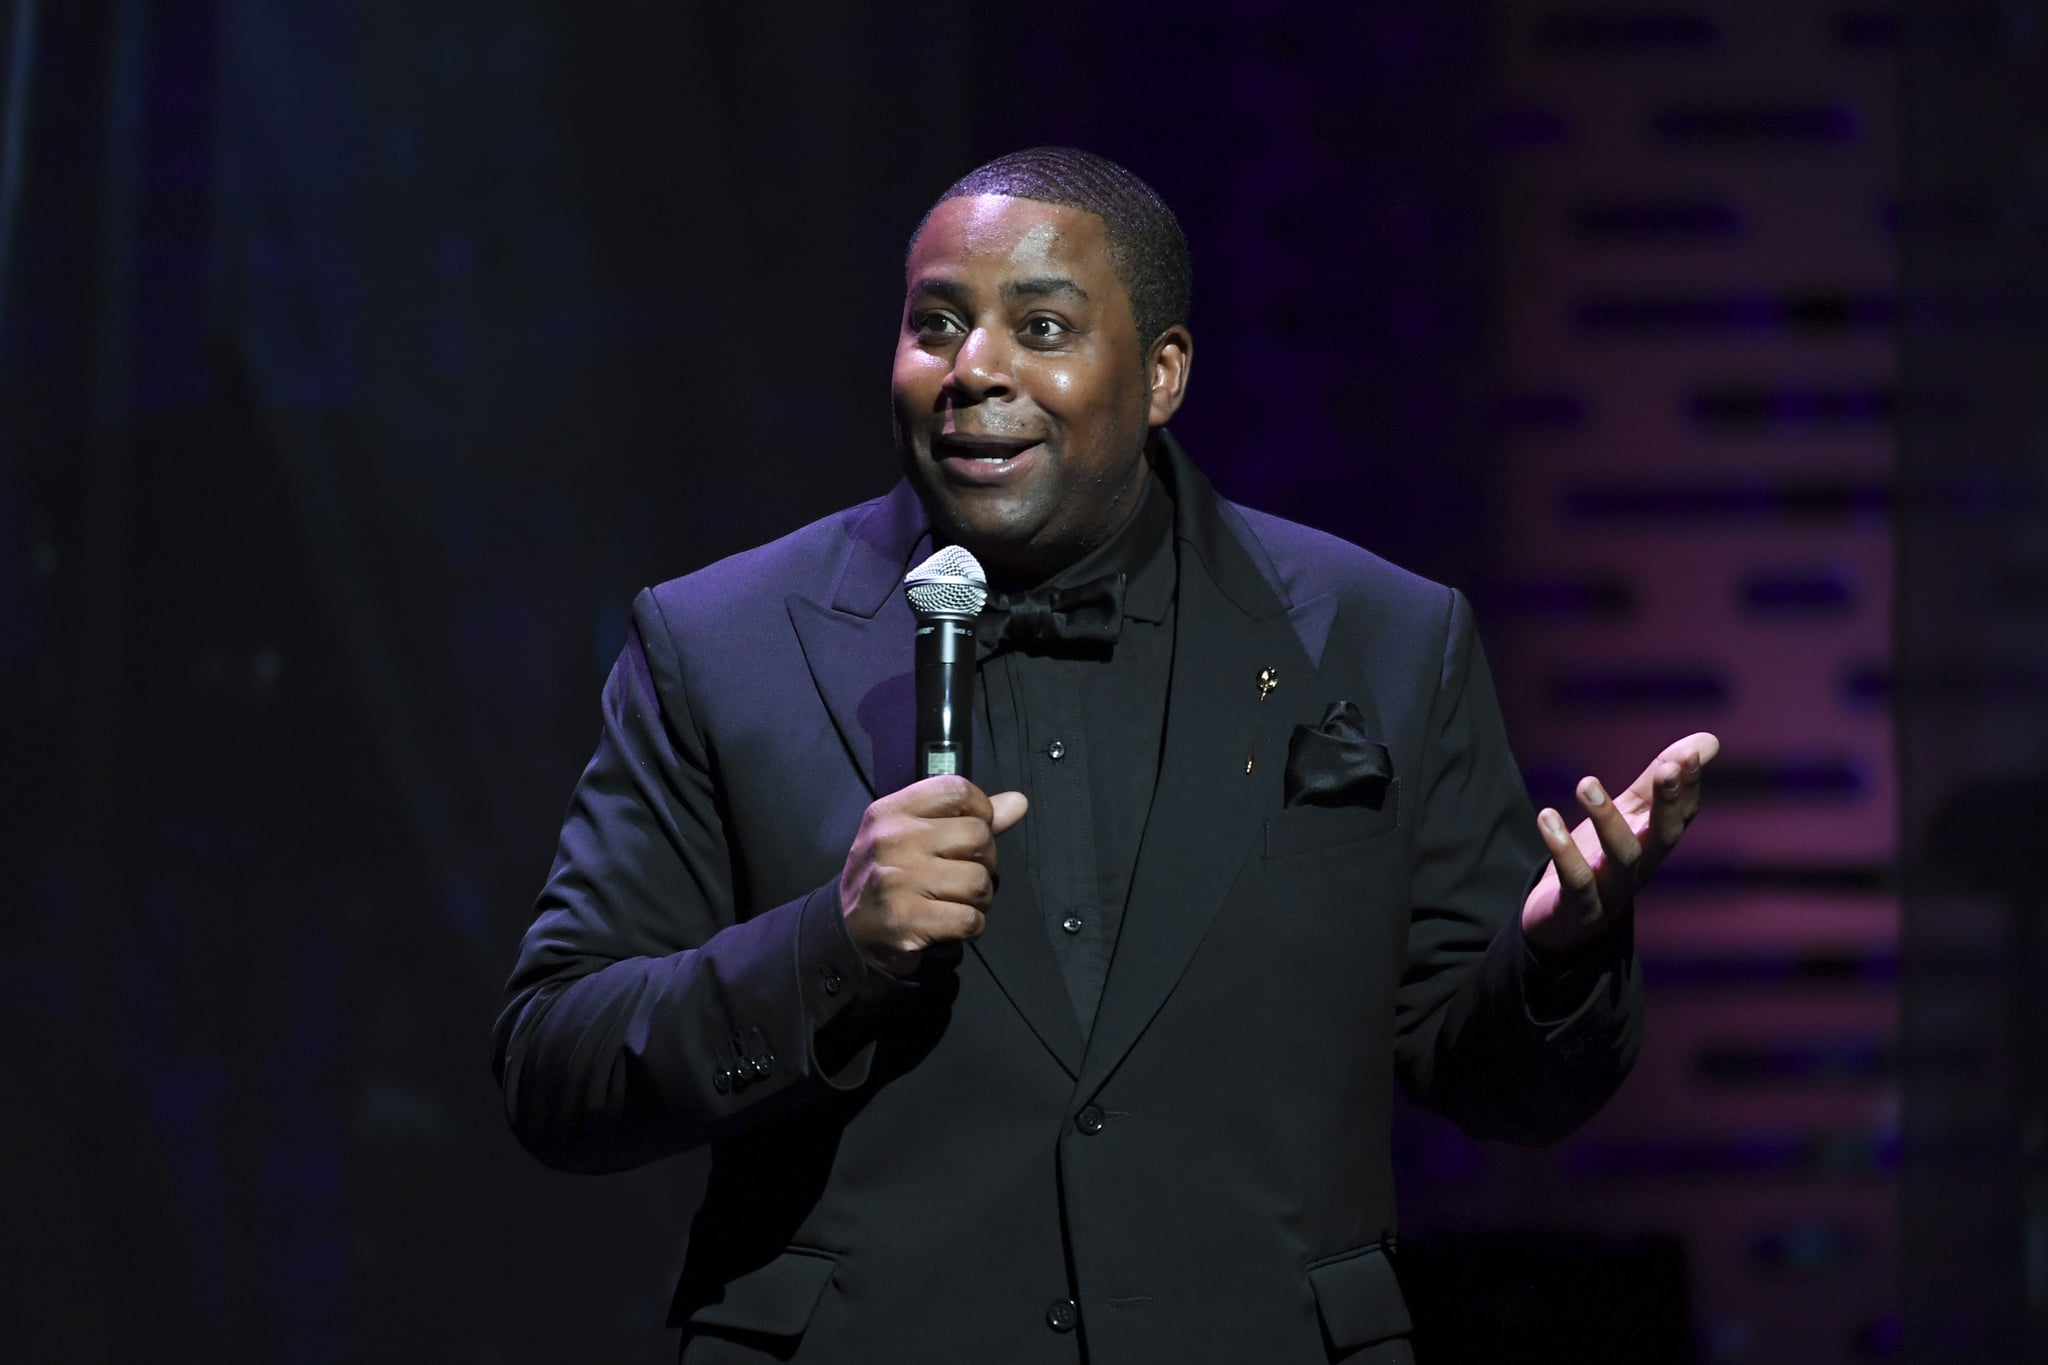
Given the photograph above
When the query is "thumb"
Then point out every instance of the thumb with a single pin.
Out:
(1009, 808)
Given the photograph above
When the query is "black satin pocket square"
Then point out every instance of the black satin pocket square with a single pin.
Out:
(1335, 764)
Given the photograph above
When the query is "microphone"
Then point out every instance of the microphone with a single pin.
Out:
(946, 592)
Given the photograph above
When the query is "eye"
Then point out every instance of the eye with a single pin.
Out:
(1042, 328)
(934, 326)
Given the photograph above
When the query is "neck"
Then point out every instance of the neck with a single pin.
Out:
(1012, 566)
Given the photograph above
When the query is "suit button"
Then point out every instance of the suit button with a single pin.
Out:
(1089, 1120)
(722, 1082)
(762, 1063)
(833, 980)
(1062, 1315)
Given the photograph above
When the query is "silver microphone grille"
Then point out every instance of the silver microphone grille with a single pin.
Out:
(950, 583)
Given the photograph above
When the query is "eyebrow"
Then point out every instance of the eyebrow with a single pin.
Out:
(937, 287)
(953, 292)
(1039, 288)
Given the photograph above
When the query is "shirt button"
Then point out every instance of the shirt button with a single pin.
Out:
(1072, 924)
(1089, 1120)
(1062, 1314)
(1056, 750)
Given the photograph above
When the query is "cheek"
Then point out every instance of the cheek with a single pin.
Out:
(916, 377)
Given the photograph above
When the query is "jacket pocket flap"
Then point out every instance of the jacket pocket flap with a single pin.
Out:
(777, 1299)
(1359, 1298)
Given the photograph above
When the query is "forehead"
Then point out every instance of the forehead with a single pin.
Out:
(1007, 237)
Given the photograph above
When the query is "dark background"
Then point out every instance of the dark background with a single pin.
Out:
(359, 359)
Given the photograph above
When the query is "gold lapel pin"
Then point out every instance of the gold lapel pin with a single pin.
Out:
(1269, 678)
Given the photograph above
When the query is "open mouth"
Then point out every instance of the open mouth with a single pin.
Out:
(983, 459)
(981, 449)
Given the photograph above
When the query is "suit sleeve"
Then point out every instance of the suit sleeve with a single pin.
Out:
(645, 1015)
(1507, 1045)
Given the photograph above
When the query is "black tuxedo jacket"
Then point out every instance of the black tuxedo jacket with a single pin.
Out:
(946, 1170)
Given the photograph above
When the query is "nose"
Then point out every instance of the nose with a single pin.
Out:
(980, 368)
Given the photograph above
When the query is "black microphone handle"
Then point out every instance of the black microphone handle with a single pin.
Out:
(945, 696)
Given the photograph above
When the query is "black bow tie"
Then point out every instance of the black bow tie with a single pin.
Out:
(1083, 620)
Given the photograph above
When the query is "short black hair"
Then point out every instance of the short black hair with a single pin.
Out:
(1147, 249)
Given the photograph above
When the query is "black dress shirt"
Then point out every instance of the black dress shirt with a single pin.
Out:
(1080, 736)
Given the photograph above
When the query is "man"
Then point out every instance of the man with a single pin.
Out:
(1098, 1065)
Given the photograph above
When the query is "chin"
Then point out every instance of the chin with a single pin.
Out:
(994, 521)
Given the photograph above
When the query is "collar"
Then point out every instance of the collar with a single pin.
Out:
(884, 536)
(1141, 550)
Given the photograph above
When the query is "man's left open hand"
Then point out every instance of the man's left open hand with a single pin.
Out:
(1596, 869)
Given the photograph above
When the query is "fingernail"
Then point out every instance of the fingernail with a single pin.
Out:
(1553, 826)
(1593, 793)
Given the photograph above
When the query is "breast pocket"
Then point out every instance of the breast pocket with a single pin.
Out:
(1302, 829)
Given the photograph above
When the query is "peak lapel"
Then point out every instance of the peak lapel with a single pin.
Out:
(1207, 810)
(861, 658)
(1017, 951)
(862, 668)
(859, 648)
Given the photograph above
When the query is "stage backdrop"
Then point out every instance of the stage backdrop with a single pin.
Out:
(359, 359)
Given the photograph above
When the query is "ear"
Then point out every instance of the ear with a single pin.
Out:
(1167, 365)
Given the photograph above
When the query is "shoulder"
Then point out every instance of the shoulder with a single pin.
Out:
(735, 594)
(1406, 638)
(1303, 563)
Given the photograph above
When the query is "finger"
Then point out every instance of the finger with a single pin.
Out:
(961, 837)
(1618, 842)
(1676, 802)
(950, 881)
(935, 797)
(950, 922)
(1695, 753)
(1675, 781)
(1689, 755)
(939, 922)
(1009, 808)
(1574, 874)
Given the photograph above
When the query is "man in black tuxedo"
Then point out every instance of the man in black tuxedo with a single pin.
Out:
(1096, 1066)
